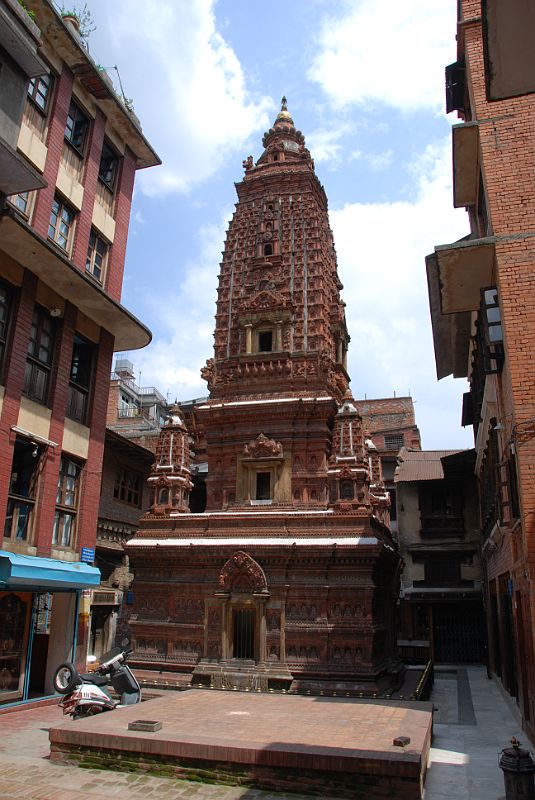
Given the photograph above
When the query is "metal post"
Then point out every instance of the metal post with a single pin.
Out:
(518, 772)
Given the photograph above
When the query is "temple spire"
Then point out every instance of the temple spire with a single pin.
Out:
(284, 115)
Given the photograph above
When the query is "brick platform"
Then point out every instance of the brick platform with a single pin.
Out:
(315, 745)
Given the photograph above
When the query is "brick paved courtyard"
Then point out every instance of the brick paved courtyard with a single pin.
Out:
(462, 763)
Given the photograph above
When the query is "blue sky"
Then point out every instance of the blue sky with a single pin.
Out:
(365, 83)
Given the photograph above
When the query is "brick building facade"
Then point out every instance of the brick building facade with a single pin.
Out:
(483, 315)
(62, 251)
(289, 576)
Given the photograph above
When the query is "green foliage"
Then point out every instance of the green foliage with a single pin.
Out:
(31, 14)
(86, 24)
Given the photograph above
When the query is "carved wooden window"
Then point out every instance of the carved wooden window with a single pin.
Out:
(127, 486)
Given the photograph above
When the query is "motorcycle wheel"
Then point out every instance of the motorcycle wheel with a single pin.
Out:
(65, 678)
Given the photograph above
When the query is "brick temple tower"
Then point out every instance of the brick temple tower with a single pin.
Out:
(288, 578)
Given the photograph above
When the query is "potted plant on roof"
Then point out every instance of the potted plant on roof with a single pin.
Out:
(80, 20)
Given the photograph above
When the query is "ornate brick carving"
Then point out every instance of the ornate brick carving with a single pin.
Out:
(241, 573)
(188, 610)
(279, 407)
(262, 447)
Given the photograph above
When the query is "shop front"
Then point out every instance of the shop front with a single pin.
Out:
(39, 611)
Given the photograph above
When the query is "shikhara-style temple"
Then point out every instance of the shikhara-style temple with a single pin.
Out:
(288, 578)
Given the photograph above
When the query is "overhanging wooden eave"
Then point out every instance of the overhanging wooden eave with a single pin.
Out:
(22, 244)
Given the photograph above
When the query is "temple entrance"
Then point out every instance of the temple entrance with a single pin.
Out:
(243, 633)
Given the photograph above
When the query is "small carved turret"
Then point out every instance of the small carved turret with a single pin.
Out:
(379, 497)
(349, 473)
(170, 477)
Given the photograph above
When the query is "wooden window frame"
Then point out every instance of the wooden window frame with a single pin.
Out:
(77, 128)
(80, 378)
(59, 209)
(67, 497)
(42, 325)
(108, 167)
(95, 239)
(35, 86)
(128, 482)
(21, 503)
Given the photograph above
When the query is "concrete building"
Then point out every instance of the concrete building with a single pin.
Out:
(441, 613)
(71, 148)
(136, 412)
(289, 576)
(482, 302)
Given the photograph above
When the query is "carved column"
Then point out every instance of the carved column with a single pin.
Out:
(278, 335)
(249, 338)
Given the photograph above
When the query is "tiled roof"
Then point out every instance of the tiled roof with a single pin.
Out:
(421, 465)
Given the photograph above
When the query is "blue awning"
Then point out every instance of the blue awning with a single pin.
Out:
(32, 573)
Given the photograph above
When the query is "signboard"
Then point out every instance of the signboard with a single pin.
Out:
(88, 555)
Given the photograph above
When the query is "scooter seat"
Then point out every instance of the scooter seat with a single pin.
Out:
(96, 680)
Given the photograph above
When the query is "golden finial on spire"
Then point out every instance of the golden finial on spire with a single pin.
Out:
(284, 115)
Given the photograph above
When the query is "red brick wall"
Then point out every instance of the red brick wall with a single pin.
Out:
(55, 139)
(13, 378)
(123, 203)
(92, 164)
(507, 158)
(48, 482)
(88, 511)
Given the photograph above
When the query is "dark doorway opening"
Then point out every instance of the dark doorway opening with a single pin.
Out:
(263, 486)
(243, 634)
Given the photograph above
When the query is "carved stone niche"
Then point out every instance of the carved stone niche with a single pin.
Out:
(264, 323)
(263, 474)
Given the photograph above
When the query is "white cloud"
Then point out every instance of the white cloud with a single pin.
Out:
(186, 321)
(187, 84)
(387, 51)
(381, 249)
(324, 145)
(376, 161)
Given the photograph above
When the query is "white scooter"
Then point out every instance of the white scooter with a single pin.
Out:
(86, 695)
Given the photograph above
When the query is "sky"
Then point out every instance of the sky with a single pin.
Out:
(365, 83)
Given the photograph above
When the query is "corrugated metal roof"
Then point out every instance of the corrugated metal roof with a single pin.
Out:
(421, 465)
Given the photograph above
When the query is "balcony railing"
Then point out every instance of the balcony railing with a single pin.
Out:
(141, 391)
